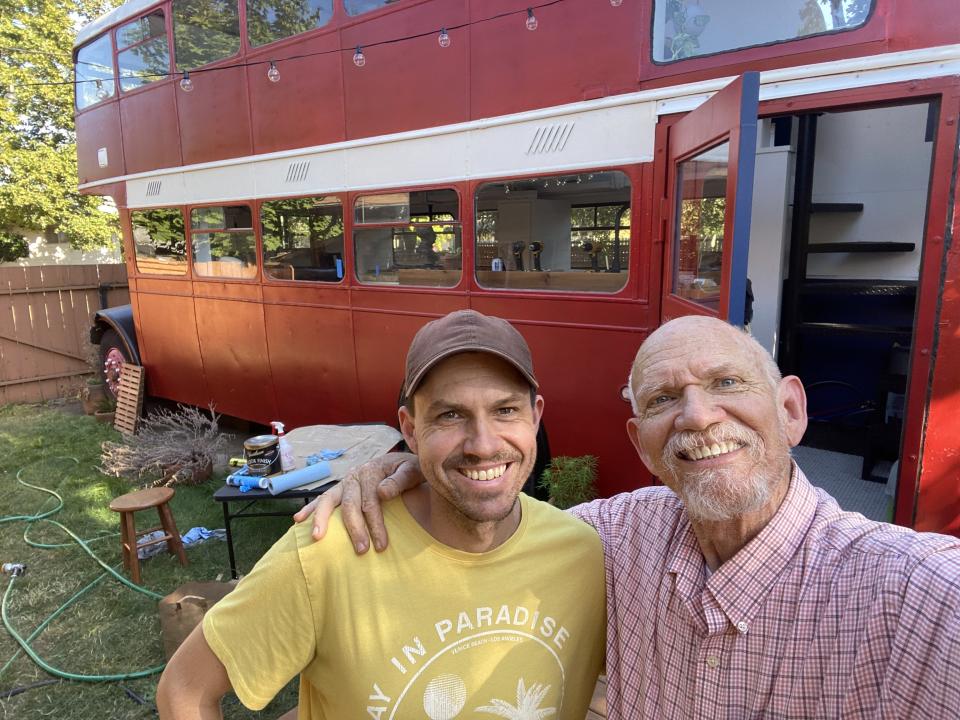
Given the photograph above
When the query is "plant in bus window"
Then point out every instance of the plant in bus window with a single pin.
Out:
(689, 21)
(272, 20)
(204, 31)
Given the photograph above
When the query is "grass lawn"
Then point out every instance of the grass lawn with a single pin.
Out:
(111, 629)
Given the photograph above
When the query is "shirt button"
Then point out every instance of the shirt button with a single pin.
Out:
(742, 626)
(713, 661)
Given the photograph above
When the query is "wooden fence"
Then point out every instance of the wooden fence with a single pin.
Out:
(45, 317)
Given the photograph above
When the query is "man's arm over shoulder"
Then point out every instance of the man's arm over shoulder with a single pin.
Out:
(193, 682)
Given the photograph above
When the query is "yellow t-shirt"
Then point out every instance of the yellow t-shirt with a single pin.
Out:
(421, 630)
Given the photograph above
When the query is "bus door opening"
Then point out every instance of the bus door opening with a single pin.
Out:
(839, 212)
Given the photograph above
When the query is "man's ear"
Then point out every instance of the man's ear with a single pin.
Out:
(792, 406)
(407, 426)
(633, 432)
(537, 411)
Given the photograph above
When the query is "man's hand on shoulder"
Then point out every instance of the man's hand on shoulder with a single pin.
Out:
(362, 494)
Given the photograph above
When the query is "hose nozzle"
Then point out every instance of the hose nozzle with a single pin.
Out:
(14, 569)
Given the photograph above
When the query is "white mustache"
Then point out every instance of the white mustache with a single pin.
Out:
(728, 432)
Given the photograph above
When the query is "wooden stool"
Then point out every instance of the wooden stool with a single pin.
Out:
(130, 503)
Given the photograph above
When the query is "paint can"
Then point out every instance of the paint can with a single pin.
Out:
(263, 455)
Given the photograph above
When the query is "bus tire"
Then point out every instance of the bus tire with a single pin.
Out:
(113, 355)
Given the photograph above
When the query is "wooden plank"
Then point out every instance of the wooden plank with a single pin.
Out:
(23, 381)
(10, 367)
(13, 278)
(598, 704)
(62, 335)
(45, 364)
(129, 399)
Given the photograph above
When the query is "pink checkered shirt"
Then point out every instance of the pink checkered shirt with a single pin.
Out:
(825, 614)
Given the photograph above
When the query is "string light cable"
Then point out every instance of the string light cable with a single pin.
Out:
(357, 51)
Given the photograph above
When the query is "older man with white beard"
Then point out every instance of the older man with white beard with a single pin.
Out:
(739, 590)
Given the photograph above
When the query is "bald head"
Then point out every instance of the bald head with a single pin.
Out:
(698, 333)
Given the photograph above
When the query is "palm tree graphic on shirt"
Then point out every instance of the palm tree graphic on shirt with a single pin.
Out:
(527, 707)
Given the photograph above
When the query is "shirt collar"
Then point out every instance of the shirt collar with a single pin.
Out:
(741, 585)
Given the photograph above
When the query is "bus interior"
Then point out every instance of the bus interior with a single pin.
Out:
(840, 203)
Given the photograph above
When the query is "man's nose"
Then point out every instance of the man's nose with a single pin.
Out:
(482, 439)
(698, 410)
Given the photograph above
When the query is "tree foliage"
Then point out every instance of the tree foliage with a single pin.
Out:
(38, 158)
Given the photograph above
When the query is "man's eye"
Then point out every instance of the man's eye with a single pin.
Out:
(448, 415)
(727, 382)
(659, 400)
(507, 411)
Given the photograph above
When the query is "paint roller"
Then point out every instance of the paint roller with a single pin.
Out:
(298, 478)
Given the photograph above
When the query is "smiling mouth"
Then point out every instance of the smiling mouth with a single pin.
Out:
(708, 452)
(486, 474)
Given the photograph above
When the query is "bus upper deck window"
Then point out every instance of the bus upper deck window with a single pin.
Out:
(272, 20)
(143, 55)
(159, 241)
(204, 31)
(408, 238)
(565, 233)
(222, 242)
(359, 7)
(303, 239)
(688, 28)
(94, 72)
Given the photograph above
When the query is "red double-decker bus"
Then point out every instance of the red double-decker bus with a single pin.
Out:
(303, 183)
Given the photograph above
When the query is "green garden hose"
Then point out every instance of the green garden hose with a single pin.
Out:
(111, 571)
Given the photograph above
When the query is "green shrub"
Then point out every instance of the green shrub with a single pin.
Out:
(570, 480)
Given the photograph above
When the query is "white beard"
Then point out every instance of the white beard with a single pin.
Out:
(720, 494)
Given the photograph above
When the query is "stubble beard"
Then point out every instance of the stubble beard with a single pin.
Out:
(473, 510)
(721, 494)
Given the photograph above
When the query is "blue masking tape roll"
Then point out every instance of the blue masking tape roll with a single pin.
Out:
(297, 478)
(243, 479)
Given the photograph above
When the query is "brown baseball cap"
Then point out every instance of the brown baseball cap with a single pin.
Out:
(465, 331)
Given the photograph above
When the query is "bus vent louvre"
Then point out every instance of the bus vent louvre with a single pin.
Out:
(550, 139)
(153, 188)
(297, 171)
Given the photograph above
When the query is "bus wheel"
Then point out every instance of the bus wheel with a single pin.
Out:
(113, 355)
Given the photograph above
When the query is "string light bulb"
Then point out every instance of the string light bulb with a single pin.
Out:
(616, 3)
(531, 20)
(102, 93)
(443, 38)
(273, 75)
(359, 59)
(186, 84)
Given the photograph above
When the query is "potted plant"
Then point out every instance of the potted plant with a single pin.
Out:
(93, 394)
(106, 411)
(570, 480)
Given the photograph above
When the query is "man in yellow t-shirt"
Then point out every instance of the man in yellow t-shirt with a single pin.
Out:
(487, 604)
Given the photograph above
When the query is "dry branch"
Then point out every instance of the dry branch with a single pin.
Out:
(178, 446)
